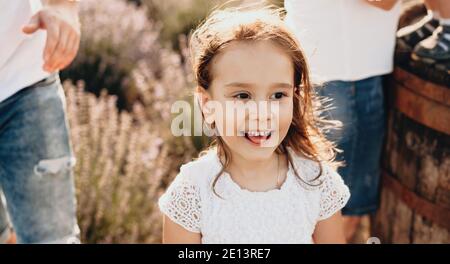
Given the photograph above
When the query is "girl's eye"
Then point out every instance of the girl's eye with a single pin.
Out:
(278, 95)
(242, 96)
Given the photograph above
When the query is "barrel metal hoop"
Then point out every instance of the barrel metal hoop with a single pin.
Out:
(427, 89)
(433, 212)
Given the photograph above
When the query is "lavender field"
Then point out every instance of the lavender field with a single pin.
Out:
(119, 93)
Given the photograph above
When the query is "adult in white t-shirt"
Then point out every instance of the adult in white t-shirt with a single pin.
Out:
(349, 46)
(36, 185)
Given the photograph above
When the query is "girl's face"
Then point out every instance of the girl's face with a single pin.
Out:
(252, 94)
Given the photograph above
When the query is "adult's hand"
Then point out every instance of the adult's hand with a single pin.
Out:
(60, 19)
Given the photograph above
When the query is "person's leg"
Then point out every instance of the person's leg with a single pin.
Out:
(436, 48)
(444, 9)
(5, 226)
(343, 108)
(367, 152)
(12, 239)
(444, 12)
(36, 162)
(408, 37)
(432, 5)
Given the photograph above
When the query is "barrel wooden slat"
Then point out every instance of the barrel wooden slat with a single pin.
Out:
(403, 214)
(428, 232)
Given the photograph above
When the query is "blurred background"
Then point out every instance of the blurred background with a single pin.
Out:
(132, 65)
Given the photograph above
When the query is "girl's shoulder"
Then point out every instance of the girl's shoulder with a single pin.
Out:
(185, 197)
(324, 180)
(308, 167)
(202, 170)
(313, 171)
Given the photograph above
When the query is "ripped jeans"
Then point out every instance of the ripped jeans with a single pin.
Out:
(36, 162)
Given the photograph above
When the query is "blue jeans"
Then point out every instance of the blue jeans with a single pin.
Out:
(36, 163)
(359, 105)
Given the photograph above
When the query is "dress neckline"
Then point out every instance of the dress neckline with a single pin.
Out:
(236, 187)
(241, 189)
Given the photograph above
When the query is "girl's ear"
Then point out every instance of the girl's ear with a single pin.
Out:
(204, 100)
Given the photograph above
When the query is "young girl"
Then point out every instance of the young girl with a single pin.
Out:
(257, 184)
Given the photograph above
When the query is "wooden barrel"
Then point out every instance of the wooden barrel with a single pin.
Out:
(415, 194)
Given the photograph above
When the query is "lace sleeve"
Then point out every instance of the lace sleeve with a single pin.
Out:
(334, 193)
(181, 203)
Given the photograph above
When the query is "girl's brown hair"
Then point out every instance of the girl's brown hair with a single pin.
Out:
(305, 136)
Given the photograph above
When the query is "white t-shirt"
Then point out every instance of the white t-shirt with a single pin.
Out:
(344, 40)
(285, 215)
(21, 55)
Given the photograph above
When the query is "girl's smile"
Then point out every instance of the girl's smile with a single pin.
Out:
(257, 137)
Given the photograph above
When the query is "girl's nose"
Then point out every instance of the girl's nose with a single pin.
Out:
(263, 111)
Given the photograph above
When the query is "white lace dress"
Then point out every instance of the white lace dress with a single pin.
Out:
(285, 215)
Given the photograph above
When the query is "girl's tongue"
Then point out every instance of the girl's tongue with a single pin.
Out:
(257, 138)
